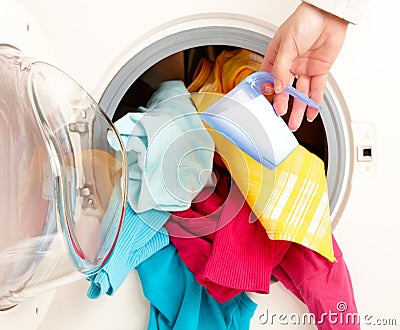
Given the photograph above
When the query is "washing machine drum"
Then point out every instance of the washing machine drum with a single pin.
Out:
(62, 188)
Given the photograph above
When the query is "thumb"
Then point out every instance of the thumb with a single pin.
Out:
(282, 66)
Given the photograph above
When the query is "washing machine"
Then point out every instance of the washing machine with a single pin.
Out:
(111, 47)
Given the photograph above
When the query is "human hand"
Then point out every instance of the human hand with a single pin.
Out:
(305, 45)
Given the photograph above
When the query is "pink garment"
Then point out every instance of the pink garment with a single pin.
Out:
(238, 256)
(325, 287)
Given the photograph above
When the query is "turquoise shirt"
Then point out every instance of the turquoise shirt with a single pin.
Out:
(178, 302)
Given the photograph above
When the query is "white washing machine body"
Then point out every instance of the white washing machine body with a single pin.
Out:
(107, 45)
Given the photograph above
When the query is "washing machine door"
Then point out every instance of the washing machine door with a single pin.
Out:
(63, 187)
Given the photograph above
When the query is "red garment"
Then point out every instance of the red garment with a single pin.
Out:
(325, 287)
(242, 255)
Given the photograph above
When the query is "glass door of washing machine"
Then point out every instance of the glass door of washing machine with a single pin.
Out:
(63, 187)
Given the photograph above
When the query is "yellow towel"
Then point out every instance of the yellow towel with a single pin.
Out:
(229, 69)
(292, 201)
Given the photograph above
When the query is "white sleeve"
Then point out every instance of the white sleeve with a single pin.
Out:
(349, 10)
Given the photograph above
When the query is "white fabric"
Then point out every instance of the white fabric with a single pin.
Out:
(349, 10)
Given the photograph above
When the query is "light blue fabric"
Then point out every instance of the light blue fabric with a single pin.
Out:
(170, 153)
(111, 222)
(179, 302)
(141, 236)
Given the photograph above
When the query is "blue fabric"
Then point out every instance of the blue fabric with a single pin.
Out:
(141, 236)
(179, 302)
(169, 151)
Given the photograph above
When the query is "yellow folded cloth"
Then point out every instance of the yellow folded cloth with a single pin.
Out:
(229, 69)
(292, 201)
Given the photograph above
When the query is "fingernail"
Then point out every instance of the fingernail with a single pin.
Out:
(278, 87)
(280, 109)
(310, 120)
(268, 90)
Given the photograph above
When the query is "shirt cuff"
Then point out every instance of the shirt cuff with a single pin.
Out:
(349, 10)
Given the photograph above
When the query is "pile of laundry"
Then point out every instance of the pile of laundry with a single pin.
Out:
(205, 223)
